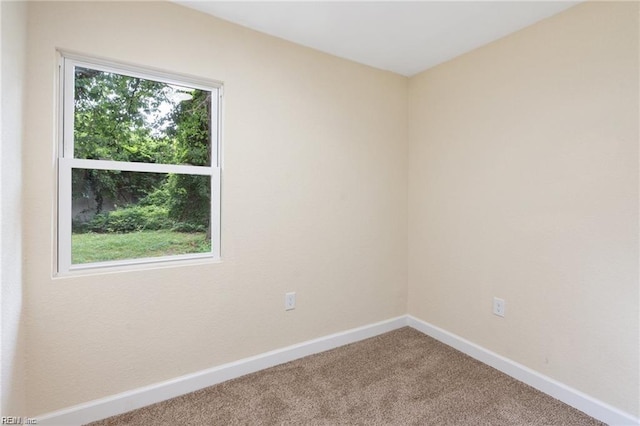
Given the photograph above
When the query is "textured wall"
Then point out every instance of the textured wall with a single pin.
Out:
(523, 184)
(314, 201)
(12, 374)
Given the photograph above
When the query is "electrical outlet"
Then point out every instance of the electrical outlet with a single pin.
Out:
(289, 301)
(498, 307)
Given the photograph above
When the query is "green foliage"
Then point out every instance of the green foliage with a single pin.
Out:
(111, 122)
(116, 117)
(159, 197)
(134, 218)
(122, 188)
(189, 200)
(131, 119)
(188, 227)
(193, 131)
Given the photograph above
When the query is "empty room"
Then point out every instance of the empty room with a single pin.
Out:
(320, 213)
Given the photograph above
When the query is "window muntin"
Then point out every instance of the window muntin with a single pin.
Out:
(139, 159)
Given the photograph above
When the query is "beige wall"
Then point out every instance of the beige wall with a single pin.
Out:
(523, 184)
(314, 201)
(13, 334)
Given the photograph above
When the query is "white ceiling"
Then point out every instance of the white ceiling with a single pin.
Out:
(403, 37)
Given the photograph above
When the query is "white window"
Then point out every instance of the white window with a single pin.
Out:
(139, 166)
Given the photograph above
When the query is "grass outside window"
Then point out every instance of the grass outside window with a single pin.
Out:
(93, 247)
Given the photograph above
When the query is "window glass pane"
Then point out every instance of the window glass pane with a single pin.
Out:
(130, 215)
(122, 118)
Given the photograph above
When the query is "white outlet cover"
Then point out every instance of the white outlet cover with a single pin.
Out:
(289, 301)
(499, 306)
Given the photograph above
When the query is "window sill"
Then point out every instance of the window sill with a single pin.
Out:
(146, 264)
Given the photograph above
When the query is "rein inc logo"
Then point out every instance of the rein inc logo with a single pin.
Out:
(13, 420)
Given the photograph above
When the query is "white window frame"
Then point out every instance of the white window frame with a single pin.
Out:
(67, 162)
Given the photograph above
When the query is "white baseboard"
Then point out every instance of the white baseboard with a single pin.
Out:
(138, 398)
(581, 401)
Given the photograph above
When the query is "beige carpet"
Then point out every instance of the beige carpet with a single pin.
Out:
(399, 378)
